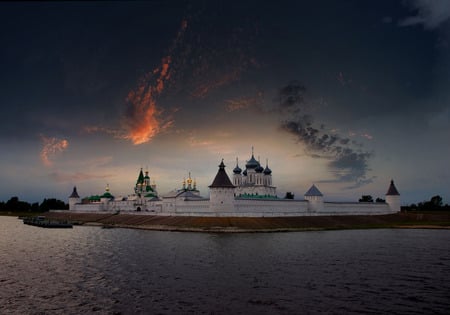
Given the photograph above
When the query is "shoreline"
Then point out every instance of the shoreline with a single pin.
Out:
(256, 224)
(275, 230)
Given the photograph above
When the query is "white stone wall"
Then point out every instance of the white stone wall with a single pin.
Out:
(88, 207)
(240, 208)
(354, 208)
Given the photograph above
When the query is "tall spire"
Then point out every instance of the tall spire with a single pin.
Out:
(140, 179)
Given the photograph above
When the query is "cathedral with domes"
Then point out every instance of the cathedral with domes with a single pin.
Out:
(250, 193)
(254, 181)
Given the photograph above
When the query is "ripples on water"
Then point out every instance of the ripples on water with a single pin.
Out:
(113, 271)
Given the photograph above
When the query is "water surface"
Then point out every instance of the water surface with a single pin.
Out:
(112, 271)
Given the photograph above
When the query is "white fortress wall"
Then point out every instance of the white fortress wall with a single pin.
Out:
(89, 207)
(355, 208)
(188, 206)
(269, 205)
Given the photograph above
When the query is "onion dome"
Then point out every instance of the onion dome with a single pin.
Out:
(252, 163)
(267, 170)
(259, 169)
(392, 191)
(244, 173)
(237, 169)
(107, 195)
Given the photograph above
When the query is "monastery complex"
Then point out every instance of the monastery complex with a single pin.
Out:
(250, 193)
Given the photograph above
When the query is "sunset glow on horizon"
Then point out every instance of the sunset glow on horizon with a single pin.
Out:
(346, 97)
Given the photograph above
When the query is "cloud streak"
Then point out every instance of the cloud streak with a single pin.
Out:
(62, 177)
(347, 161)
(51, 146)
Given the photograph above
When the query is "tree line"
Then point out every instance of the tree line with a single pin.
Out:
(434, 204)
(16, 205)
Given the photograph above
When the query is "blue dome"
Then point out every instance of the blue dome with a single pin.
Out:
(244, 173)
(259, 169)
(237, 169)
(252, 163)
(267, 171)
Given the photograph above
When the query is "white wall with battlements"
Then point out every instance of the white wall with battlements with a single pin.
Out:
(240, 207)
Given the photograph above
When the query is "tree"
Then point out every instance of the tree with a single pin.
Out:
(436, 201)
(366, 198)
(380, 200)
(15, 205)
(52, 204)
(289, 195)
(35, 207)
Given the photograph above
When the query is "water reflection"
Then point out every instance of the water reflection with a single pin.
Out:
(89, 269)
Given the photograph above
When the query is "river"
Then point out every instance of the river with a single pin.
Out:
(125, 271)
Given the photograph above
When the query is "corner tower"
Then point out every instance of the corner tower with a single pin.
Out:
(74, 198)
(315, 199)
(393, 198)
(221, 192)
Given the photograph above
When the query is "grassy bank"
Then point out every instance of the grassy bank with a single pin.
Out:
(268, 224)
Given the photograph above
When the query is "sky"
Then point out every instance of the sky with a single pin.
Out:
(346, 95)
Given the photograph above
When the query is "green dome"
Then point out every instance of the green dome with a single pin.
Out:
(94, 198)
(107, 195)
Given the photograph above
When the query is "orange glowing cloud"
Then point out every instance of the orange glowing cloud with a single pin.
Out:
(144, 120)
(51, 146)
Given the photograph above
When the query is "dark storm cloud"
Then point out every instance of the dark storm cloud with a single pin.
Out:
(347, 161)
(430, 14)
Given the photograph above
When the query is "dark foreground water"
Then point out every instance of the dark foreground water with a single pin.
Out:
(107, 271)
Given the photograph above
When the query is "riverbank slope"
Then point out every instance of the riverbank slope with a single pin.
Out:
(265, 224)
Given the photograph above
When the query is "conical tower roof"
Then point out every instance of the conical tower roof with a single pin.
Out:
(392, 191)
(140, 179)
(313, 191)
(74, 193)
(221, 179)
